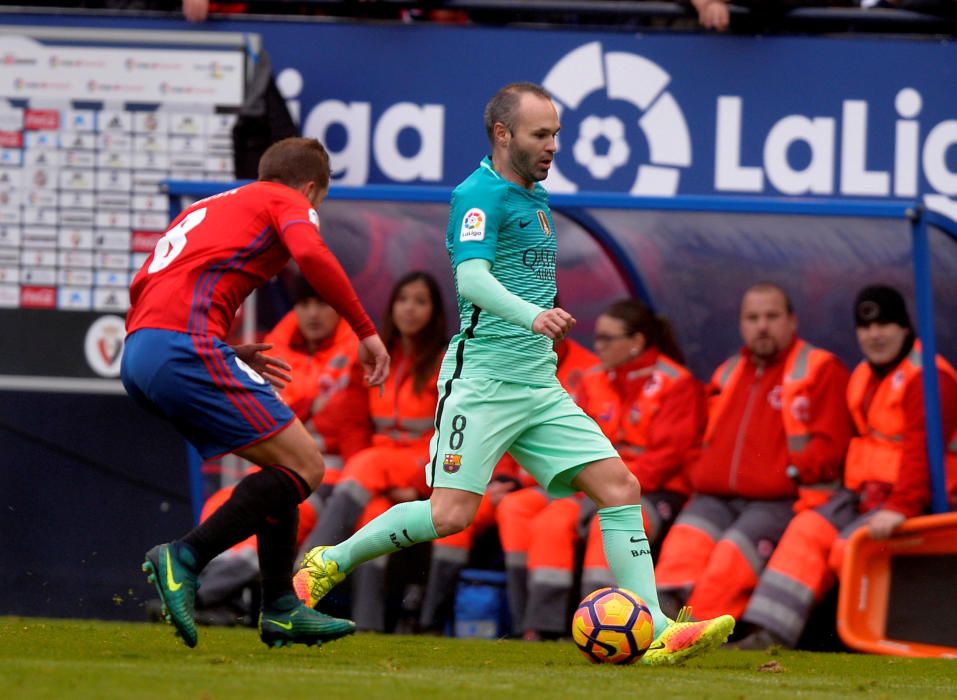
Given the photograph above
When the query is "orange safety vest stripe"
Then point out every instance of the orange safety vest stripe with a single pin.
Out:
(401, 415)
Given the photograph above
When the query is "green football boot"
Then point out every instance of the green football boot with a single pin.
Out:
(176, 585)
(288, 621)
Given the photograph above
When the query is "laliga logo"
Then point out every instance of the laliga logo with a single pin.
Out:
(473, 220)
(635, 110)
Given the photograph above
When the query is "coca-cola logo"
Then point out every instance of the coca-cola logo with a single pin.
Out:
(11, 139)
(144, 241)
(38, 297)
(41, 119)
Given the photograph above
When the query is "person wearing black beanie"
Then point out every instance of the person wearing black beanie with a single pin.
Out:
(886, 473)
(884, 330)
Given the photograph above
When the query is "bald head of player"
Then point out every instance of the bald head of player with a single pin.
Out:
(299, 163)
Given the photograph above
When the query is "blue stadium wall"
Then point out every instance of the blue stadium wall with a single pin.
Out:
(89, 481)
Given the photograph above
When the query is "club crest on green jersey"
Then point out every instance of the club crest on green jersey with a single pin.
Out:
(543, 222)
(452, 463)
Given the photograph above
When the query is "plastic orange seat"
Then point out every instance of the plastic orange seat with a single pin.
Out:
(897, 595)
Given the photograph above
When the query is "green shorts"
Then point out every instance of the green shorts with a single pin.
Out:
(541, 427)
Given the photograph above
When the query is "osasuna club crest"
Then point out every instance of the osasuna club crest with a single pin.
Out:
(103, 345)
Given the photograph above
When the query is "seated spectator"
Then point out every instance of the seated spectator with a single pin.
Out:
(392, 469)
(652, 409)
(193, 10)
(777, 423)
(326, 391)
(198, 10)
(450, 554)
(886, 477)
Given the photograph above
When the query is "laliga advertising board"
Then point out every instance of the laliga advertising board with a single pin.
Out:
(657, 115)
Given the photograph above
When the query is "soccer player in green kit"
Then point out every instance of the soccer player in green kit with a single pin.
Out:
(497, 387)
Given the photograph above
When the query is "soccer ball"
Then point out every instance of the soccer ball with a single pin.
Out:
(612, 626)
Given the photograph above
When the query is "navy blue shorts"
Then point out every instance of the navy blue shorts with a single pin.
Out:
(214, 399)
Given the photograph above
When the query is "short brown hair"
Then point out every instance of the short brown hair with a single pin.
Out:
(764, 287)
(503, 107)
(294, 162)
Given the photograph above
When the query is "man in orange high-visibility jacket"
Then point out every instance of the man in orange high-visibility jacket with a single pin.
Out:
(886, 478)
(509, 481)
(326, 391)
(777, 420)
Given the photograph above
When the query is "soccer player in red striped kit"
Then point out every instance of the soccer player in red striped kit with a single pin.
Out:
(177, 363)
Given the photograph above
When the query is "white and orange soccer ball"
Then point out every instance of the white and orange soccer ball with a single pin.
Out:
(613, 626)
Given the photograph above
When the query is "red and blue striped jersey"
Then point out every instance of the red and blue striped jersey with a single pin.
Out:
(223, 247)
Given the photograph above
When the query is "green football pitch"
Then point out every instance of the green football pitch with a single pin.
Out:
(80, 659)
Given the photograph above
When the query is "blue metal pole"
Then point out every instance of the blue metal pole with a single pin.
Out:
(924, 292)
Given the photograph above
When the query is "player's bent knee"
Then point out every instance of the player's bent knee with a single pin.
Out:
(315, 470)
(450, 519)
(620, 489)
(609, 483)
(450, 523)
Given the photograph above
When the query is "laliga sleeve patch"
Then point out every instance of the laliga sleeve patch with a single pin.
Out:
(314, 217)
(473, 225)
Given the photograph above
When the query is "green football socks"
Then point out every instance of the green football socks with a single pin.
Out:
(403, 525)
(629, 555)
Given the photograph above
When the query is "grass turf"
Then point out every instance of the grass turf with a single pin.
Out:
(83, 659)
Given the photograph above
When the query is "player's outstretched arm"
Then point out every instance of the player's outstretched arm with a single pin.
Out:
(273, 369)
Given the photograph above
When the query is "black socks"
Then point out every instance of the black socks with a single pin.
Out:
(265, 501)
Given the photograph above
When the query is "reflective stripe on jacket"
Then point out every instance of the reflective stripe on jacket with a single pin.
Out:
(399, 415)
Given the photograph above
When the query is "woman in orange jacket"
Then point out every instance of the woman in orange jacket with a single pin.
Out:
(653, 411)
(401, 415)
